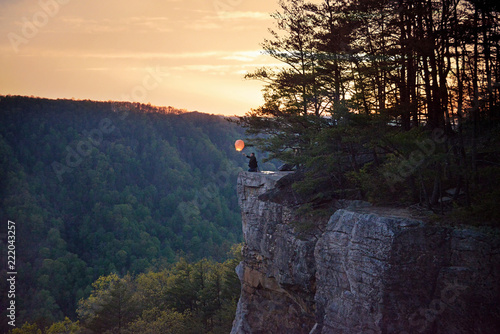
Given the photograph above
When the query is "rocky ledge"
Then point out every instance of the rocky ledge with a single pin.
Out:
(369, 270)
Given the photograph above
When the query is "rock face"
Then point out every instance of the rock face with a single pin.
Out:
(369, 270)
(277, 274)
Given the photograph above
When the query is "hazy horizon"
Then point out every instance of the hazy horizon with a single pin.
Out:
(187, 54)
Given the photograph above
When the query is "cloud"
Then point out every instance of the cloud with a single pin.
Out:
(209, 69)
(245, 56)
(97, 69)
(84, 69)
(203, 26)
(224, 69)
(135, 24)
(147, 24)
(112, 42)
(241, 56)
(153, 55)
(238, 15)
(209, 21)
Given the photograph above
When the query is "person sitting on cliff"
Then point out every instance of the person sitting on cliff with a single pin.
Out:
(254, 167)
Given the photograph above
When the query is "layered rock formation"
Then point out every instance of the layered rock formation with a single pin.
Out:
(368, 270)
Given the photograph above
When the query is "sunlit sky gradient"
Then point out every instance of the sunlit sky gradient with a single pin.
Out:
(188, 54)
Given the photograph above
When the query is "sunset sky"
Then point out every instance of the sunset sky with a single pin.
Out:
(188, 54)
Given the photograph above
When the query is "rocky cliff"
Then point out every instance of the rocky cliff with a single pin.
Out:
(368, 270)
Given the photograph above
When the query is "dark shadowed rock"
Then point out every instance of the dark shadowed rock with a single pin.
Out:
(369, 270)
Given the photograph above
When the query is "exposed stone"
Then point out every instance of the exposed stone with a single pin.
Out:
(369, 270)
(277, 273)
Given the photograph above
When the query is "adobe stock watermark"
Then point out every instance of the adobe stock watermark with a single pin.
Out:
(204, 196)
(405, 168)
(421, 319)
(84, 148)
(77, 152)
(223, 6)
(11, 272)
(30, 27)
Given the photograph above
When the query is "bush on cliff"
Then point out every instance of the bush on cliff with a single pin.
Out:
(347, 109)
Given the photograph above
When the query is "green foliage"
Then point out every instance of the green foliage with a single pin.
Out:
(64, 327)
(27, 329)
(484, 210)
(154, 321)
(110, 305)
(105, 187)
(366, 108)
(185, 298)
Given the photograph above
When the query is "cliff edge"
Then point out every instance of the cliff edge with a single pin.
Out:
(369, 270)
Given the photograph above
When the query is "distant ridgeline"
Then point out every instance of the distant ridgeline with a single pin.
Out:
(102, 187)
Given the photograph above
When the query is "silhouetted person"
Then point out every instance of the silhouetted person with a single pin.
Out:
(254, 167)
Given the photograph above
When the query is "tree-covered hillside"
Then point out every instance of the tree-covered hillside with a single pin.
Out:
(96, 188)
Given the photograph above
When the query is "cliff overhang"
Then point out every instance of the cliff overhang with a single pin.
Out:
(369, 270)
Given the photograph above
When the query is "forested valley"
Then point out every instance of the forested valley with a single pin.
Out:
(132, 208)
(119, 203)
